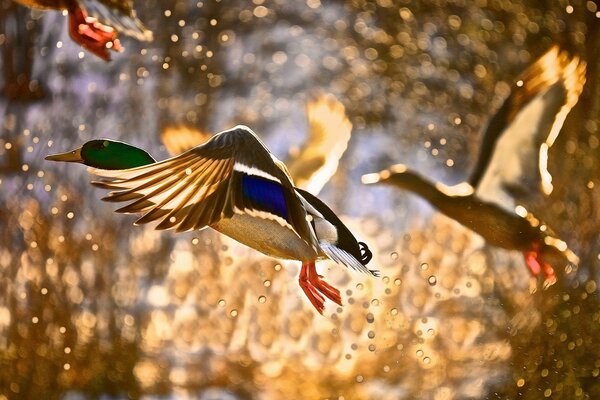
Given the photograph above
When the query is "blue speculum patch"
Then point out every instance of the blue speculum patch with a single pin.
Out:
(265, 195)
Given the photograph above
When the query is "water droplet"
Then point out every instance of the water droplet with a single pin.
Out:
(359, 286)
(386, 368)
(372, 347)
(195, 241)
(431, 332)
(371, 334)
(359, 379)
(590, 286)
(370, 318)
(267, 283)
(568, 269)
(420, 353)
(277, 267)
(397, 281)
(426, 360)
(394, 311)
(424, 267)
(432, 280)
(375, 302)
(222, 303)
(394, 255)
(262, 299)
(234, 313)
(386, 279)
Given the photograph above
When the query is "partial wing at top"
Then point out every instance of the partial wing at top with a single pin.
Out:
(330, 130)
(118, 14)
(515, 145)
(180, 138)
(231, 173)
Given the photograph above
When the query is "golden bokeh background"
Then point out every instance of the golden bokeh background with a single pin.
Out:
(93, 307)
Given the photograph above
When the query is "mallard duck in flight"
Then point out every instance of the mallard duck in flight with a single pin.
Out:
(94, 24)
(516, 141)
(233, 184)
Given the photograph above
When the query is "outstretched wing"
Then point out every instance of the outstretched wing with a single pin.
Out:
(231, 173)
(518, 137)
(180, 138)
(329, 134)
(118, 14)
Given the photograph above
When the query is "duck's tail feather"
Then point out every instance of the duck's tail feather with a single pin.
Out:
(343, 257)
(365, 253)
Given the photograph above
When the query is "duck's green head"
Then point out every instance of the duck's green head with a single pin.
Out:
(106, 154)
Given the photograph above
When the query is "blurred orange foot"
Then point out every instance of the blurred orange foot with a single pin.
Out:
(315, 288)
(91, 34)
(538, 266)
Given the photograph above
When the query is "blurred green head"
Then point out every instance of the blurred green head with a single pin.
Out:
(106, 154)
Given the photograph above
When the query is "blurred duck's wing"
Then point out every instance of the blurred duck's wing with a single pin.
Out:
(232, 173)
(515, 145)
(329, 133)
(118, 14)
(180, 138)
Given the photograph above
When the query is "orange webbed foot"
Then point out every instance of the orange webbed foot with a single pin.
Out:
(538, 266)
(92, 35)
(315, 288)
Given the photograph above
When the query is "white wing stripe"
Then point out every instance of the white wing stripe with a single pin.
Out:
(254, 171)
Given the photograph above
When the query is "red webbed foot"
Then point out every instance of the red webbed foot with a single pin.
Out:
(315, 287)
(538, 266)
(91, 34)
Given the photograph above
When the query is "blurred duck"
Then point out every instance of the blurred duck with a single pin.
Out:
(234, 185)
(94, 24)
(312, 165)
(515, 142)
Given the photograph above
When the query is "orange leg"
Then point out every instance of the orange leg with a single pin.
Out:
(532, 262)
(537, 266)
(92, 35)
(315, 288)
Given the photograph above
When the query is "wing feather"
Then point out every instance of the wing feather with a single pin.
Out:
(119, 15)
(180, 138)
(513, 153)
(328, 137)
